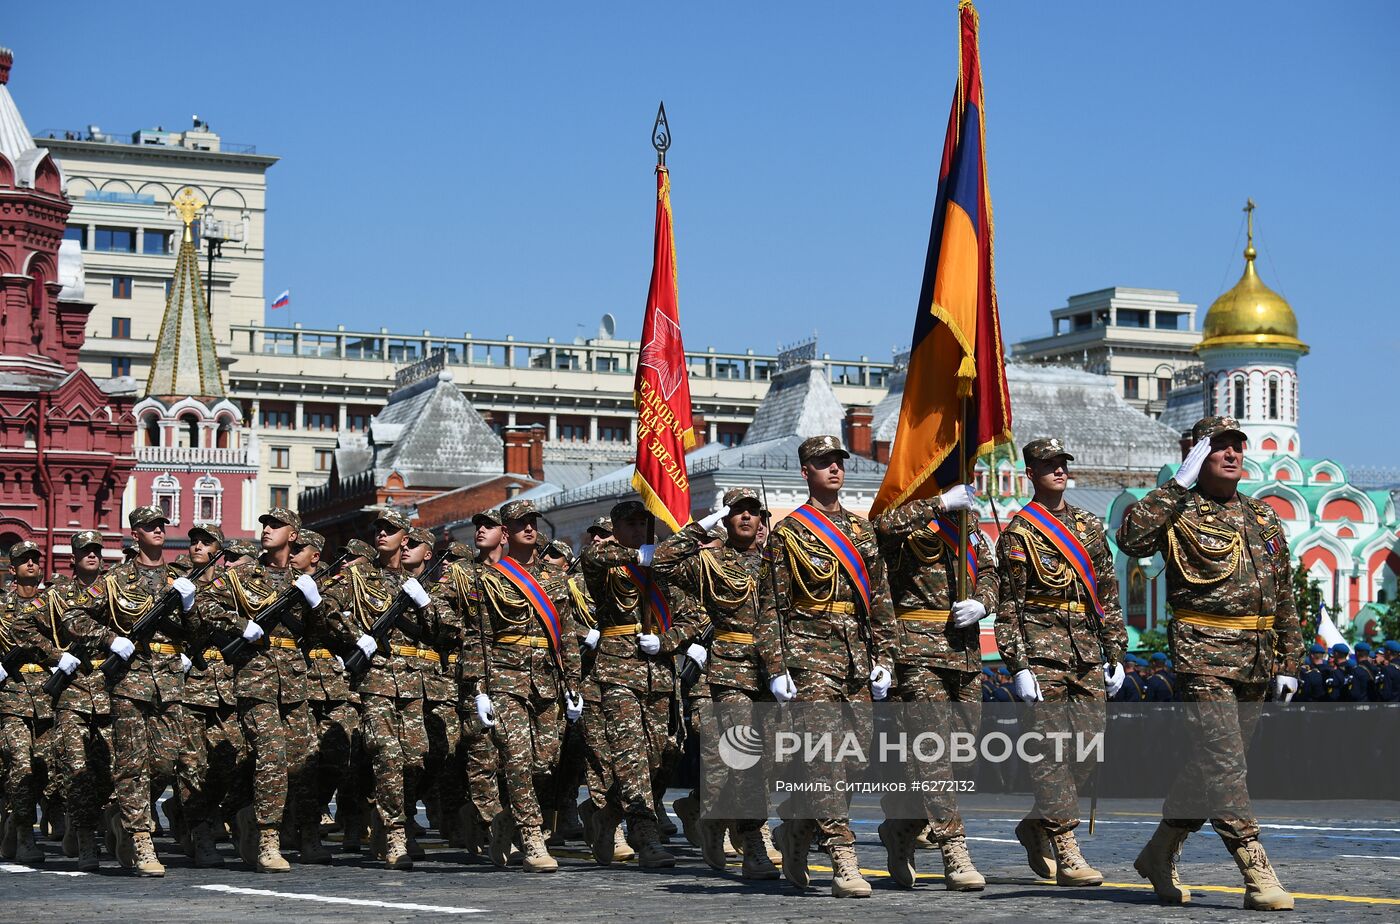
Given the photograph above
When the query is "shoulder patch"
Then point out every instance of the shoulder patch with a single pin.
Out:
(1015, 552)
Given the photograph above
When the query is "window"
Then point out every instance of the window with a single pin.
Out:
(115, 240)
(318, 344)
(157, 242)
(729, 439)
(609, 433)
(323, 459)
(165, 494)
(363, 348)
(1082, 322)
(121, 365)
(320, 420)
(570, 431)
(1169, 320)
(121, 287)
(1273, 399)
(605, 364)
(208, 500)
(403, 351)
(121, 328)
(726, 370)
(76, 233)
(1239, 397)
(1132, 317)
(276, 419)
(1164, 387)
(278, 495)
(1130, 386)
(279, 342)
(357, 423)
(281, 457)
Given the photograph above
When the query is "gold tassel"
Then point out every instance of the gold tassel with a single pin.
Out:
(967, 371)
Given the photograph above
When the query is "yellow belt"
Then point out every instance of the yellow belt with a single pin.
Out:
(281, 641)
(831, 606)
(534, 641)
(1212, 621)
(320, 654)
(619, 631)
(97, 662)
(31, 668)
(452, 658)
(917, 615)
(738, 638)
(161, 648)
(1056, 603)
(408, 651)
(213, 654)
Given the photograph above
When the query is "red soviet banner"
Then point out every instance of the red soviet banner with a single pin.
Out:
(662, 389)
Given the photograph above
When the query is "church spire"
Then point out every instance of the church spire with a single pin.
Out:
(185, 361)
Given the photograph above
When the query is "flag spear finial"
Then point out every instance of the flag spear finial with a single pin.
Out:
(661, 135)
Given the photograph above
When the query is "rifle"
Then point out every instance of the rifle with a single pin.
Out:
(278, 612)
(359, 662)
(689, 673)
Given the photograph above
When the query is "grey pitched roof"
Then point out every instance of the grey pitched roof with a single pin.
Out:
(1184, 407)
(186, 359)
(431, 435)
(799, 401)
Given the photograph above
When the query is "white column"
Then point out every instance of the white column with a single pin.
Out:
(299, 417)
(340, 425)
(553, 427)
(593, 428)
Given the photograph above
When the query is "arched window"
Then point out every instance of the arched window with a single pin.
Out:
(188, 433)
(1273, 397)
(1137, 592)
(165, 494)
(1239, 397)
(150, 428)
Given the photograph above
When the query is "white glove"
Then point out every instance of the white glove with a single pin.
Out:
(67, 663)
(416, 593)
(782, 688)
(697, 653)
(591, 639)
(573, 706)
(185, 588)
(644, 555)
(1113, 678)
(122, 648)
(185, 664)
(880, 681)
(3, 675)
(339, 664)
(968, 613)
(708, 523)
(484, 710)
(650, 644)
(367, 644)
(1026, 687)
(1190, 468)
(307, 585)
(1284, 687)
(958, 497)
(252, 632)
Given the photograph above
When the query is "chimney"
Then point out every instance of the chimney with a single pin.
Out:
(702, 429)
(858, 430)
(517, 441)
(881, 452)
(535, 459)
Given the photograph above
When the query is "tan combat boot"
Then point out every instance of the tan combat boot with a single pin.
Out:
(87, 848)
(604, 823)
(1071, 869)
(269, 858)
(687, 809)
(959, 875)
(622, 851)
(1262, 890)
(144, 854)
(774, 856)
(794, 839)
(846, 880)
(650, 853)
(922, 841)
(396, 854)
(537, 856)
(26, 851)
(204, 853)
(70, 840)
(714, 835)
(246, 824)
(1157, 864)
(898, 836)
(1039, 854)
(312, 850)
(757, 864)
(502, 835)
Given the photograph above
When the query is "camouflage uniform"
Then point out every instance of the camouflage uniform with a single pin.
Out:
(26, 714)
(597, 764)
(1235, 626)
(936, 662)
(1046, 624)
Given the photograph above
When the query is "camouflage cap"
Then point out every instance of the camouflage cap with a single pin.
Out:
(817, 446)
(488, 518)
(145, 516)
(360, 549)
(518, 510)
(395, 518)
(207, 529)
(86, 539)
(740, 495)
(1046, 449)
(1210, 427)
(460, 551)
(559, 549)
(244, 547)
(312, 538)
(627, 510)
(602, 526)
(282, 516)
(21, 549)
(422, 535)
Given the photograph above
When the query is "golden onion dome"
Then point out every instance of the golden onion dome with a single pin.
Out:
(1251, 314)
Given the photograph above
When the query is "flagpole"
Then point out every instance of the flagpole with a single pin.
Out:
(661, 140)
(963, 515)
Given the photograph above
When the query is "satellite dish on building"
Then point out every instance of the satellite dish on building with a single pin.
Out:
(607, 327)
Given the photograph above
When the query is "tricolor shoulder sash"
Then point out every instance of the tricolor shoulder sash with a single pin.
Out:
(539, 600)
(1064, 541)
(948, 532)
(652, 595)
(841, 546)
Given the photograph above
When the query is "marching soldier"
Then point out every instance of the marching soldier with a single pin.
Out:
(826, 634)
(1060, 631)
(532, 675)
(270, 682)
(726, 582)
(939, 656)
(440, 717)
(1313, 676)
(639, 631)
(391, 692)
(26, 713)
(1235, 634)
(1159, 686)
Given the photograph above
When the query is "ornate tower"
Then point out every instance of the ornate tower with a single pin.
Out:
(1250, 351)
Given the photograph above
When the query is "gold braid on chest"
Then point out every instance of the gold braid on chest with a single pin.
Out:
(924, 545)
(504, 600)
(1050, 569)
(622, 589)
(370, 599)
(7, 637)
(583, 609)
(813, 571)
(251, 606)
(120, 606)
(1225, 553)
(724, 583)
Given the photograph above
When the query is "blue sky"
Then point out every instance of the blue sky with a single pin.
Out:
(487, 168)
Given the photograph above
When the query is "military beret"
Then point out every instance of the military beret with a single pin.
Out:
(21, 549)
(421, 535)
(146, 516)
(360, 549)
(207, 529)
(1210, 427)
(393, 518)
(1392, 645)
(1362, 648)
(1169, 664)
(988, 672)
(281, 516)
(1046, 449)
(627, 510)
(817, 446)
(1159, 657)
(312, 538)
(489, 518)
(602, 526)
(518, 510)
(1316, 648)
(85, 539)
(1003, 672)
(1340, 649)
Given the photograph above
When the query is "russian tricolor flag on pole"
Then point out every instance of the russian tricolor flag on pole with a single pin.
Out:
(284, 300)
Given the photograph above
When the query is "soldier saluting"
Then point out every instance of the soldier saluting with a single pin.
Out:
(1060, 632)
(1234, 634)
